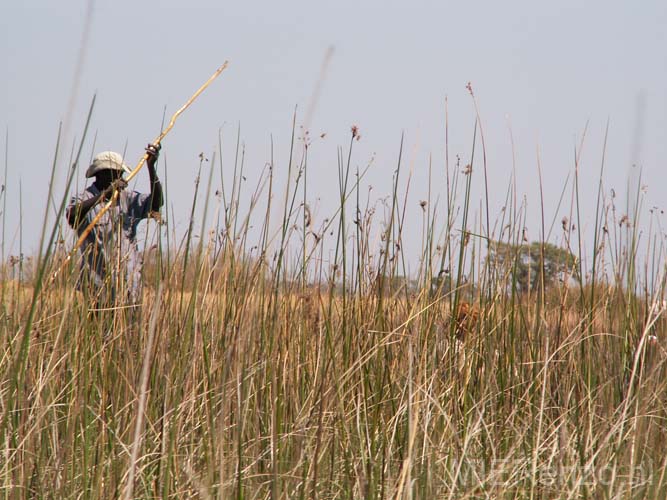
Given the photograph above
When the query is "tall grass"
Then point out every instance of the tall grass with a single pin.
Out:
(260, 369)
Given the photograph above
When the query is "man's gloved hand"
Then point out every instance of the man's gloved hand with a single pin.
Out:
(117, 185)
(152, 153)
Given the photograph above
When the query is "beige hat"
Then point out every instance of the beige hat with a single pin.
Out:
(107, 160)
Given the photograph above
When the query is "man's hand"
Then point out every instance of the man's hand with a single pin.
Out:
(152, 153)
(117, 185)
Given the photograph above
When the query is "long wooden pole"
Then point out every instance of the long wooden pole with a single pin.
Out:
(130, 176)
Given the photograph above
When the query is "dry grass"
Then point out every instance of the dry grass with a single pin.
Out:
(268, 380)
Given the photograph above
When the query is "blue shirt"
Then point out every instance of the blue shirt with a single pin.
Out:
(110, 259)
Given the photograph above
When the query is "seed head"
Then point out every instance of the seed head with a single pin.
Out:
(307, 217)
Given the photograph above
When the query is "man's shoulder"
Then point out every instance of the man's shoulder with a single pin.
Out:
(135, 200)
(90, 192)
(133, 196)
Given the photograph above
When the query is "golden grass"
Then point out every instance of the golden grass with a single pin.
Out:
(310, 392)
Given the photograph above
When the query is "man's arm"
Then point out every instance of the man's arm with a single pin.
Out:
(76, 212)
(156, 187)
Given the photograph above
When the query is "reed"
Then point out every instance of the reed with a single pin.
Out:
(265, 370)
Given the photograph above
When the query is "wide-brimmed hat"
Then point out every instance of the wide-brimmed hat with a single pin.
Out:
(107, 160)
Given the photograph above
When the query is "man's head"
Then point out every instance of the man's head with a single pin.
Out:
(104, 178)
(107, 164)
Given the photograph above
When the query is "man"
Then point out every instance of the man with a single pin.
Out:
(111, 262)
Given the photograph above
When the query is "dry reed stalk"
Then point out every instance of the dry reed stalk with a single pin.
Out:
(143, 395)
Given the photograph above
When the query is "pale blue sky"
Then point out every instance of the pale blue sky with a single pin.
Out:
(546, 68)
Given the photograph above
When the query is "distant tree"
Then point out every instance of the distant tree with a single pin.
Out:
(528, 262)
